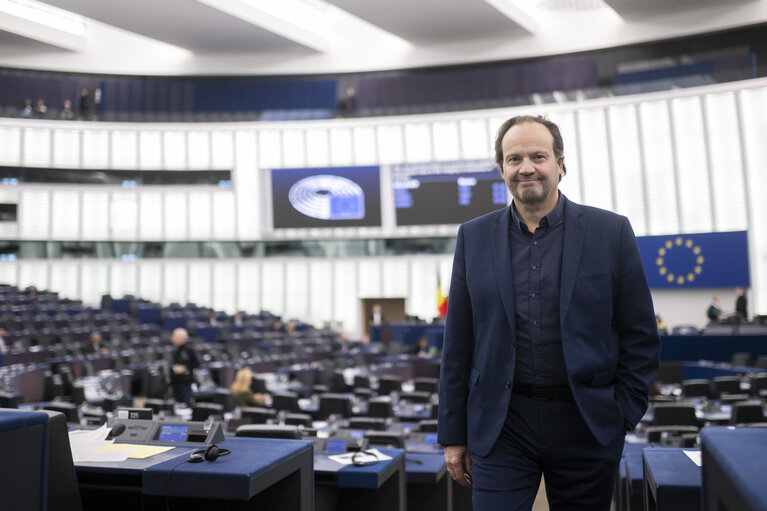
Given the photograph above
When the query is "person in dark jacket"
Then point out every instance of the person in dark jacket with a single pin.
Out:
(185, 361)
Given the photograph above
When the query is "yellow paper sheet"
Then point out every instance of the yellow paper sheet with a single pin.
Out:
(139, 452)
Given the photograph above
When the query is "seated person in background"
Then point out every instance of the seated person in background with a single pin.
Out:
(66, 113)
(95, 345)
(27, 110)
(423, 348)
(241, 392)
(714, 310)
(239, 318)
(278, 326)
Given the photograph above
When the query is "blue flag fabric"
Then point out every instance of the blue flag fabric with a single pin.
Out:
(714, 259)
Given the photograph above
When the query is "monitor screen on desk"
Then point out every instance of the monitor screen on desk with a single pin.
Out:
(356, 433)
(173, 433)
(430, 438)
(335, 446)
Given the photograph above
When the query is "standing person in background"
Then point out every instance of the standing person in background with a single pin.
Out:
(741, 304)
(551, 344)
(714, 310)
(182, 370)
(84, 106)
(241, 392)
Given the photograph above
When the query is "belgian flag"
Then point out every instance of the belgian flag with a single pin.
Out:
(441, 298)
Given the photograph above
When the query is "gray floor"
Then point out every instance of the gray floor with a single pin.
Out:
(541, 504)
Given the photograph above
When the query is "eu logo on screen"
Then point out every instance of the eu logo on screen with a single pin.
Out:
(328, 197)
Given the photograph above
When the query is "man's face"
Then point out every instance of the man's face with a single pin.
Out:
(530, 169)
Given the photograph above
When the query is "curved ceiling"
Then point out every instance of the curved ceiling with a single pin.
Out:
(262, 37)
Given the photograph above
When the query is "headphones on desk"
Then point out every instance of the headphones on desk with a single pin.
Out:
(211, 453)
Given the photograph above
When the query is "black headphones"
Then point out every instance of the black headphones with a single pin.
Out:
(211, 453)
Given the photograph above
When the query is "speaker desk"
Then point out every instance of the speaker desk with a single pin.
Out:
(257, 474)
(672, 481)
(376, 487)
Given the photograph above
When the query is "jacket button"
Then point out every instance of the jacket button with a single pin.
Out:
(508, 385)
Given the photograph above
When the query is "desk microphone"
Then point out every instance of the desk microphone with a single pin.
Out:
(117, 430)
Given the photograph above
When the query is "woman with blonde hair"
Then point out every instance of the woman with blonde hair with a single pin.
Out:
(241, 392)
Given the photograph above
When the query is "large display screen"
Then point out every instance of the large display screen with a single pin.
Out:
(326, 197)
(446, 193)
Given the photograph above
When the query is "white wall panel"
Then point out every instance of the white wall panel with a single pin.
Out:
(200, 286)
(176, 216)
(94, 281)
(346, 301)
(341, 147)
(246, 186)
(124, 149)
(95, 149)
(370, 278)
(150, 154)
(475, 139)
(66, 149)
(269, 149)
(34, 214)
(151, 210)
(95, 205)
(447, 145)
(659, 168)
(595, 158)
(423, 288)
(174, 150)
(317, 148)
(572, 182)
(150, 281)
(225, 286)
(224, 216)
(222, 149)
(9, 273)
(273, 287)
(320, 291)
(200, 215)
(395, 277)
(123, 215)
(123, 279)
(249, 286)
(10, 146)
(692, 165)
(35, 273)
(37, 147)
(390, 143)
(418, 142)
(65, 219)
(297, 289)
(627, 166)
(199, 149)
(175, 281)
(293, 148)
(365, 147)
(65, 279)
(726, 162)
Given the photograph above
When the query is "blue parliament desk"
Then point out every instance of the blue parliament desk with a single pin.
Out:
(672, 481)
(258, 474)
(630, 489)
(377, 487)
(733, 469)
(428, 485)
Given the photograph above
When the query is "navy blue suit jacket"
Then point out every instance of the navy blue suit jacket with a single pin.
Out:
(609, 334)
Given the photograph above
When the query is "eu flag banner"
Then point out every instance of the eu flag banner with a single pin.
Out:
(714, 259)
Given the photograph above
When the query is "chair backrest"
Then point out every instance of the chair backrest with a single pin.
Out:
(740, 358)
(386, 438)
(201, 411)
(758, 382)
(388, 384)
(334, 404)
(373, 423)
(674, 414)
(696, 388)
(256, 414)
(298, 419)
(425, 384)
(725, 385)
(287, 401)
(361, 381)
(416, 396)
(748, 412)
(427, 426)
(269, 431)
(380, 407)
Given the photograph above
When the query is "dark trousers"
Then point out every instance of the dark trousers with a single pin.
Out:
(182, 392)
(548, 438)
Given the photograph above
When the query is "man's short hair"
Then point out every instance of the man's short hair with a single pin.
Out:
(559, 146)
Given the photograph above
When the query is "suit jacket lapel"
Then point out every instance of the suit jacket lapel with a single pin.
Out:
(501, 244)
(575, 232)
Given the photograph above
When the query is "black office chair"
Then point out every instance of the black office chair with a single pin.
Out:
(372, 423)
(201, 411)
(69, 410)
(380, 407)
(388, 384)
(696, 388)
(758, 383)
(159, 405)
(725, 385)
(361, 381)
(258, 386)
(425, 384)
(740, 358)
(9, 400)
(731, 399)
(221, 397)
(269, 431)
(748, 412)
(298, 419)
(393, 439)
(334, 404)
(675, 419)
(287, 401)
(257, 415)
(363, 393)
(427, 426)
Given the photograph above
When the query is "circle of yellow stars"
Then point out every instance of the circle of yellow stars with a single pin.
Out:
(679, 243)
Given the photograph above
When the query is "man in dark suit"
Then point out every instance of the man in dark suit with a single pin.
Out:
(551, 344)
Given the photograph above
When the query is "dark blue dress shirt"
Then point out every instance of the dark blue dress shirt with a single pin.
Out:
(536, 264)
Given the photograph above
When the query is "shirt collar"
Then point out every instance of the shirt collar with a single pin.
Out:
(554, 217)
